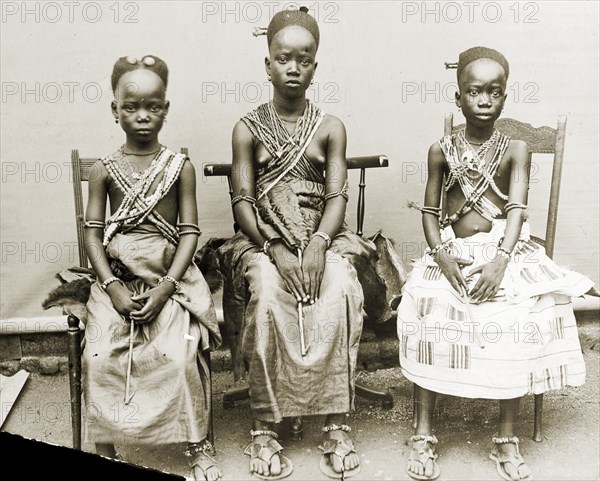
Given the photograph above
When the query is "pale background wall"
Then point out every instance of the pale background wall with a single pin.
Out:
(381, 71)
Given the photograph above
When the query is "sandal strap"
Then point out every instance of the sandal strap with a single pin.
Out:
(510, 458)
(203, 461)
(264, 451)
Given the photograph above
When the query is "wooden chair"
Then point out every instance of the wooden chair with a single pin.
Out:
(81, 167)
(363, 163)
(540, 140)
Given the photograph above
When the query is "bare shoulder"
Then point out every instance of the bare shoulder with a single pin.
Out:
(188, 168)
(241, 132)
(435, 153)
(98, 171)
(333, 123)
(517, 150)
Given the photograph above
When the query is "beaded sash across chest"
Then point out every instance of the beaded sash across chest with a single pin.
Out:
(138, 204)
(473, 187)
(286, 149)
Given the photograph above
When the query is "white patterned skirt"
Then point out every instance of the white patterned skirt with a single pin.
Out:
(524, 341)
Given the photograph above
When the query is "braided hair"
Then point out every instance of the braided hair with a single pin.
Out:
(148, 62)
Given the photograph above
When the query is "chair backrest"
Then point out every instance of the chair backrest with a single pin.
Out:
(540, 140)
(82, 167)
(362, 163)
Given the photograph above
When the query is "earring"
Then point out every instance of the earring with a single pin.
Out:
(165, 119)
(312, 81)
(116, 120)
(269, 78)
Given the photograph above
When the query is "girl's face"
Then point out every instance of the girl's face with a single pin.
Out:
(291, 62)
(482, 95)
(140, 105)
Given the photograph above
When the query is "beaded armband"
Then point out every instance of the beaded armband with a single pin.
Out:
(187, 228)
(172, 280)
(341, 193)
(436, 211)
(514, 205)
(94, 224)
(239, 198)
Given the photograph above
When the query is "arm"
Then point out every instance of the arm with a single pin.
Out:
(448, 263)
(154, 299)
(242, 179)
(492, 273)
(119, 295)
(336, 175)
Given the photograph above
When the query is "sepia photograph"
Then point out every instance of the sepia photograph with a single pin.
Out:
(300, 240)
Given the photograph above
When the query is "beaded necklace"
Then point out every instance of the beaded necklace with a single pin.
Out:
(475, 160)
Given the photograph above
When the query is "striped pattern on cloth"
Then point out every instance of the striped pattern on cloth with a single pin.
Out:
(531, 342)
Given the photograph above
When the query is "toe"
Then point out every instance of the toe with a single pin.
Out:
(336, 463)
(429, 468)
(524, 471)
(351, 461)
(511, 471)
(275, 465)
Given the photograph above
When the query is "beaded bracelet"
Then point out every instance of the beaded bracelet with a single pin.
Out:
(323, 236)
(503, 252)
(108, 282)
(437, 248)
(172, 280)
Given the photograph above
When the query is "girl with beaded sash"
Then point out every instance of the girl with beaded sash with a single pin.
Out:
(485, 313)
(302, 318)
(144, 378)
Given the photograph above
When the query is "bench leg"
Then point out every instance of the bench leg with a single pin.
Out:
(386, 398)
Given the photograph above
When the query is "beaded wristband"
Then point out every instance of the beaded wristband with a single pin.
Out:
(109, 281)
(323, 236)
(437, 248)
(504, 252)
(172, 280)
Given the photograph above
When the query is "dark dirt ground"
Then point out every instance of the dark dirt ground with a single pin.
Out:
(570, 449)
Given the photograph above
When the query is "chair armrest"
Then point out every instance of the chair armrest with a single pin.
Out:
(217, 170)
(367, 162)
